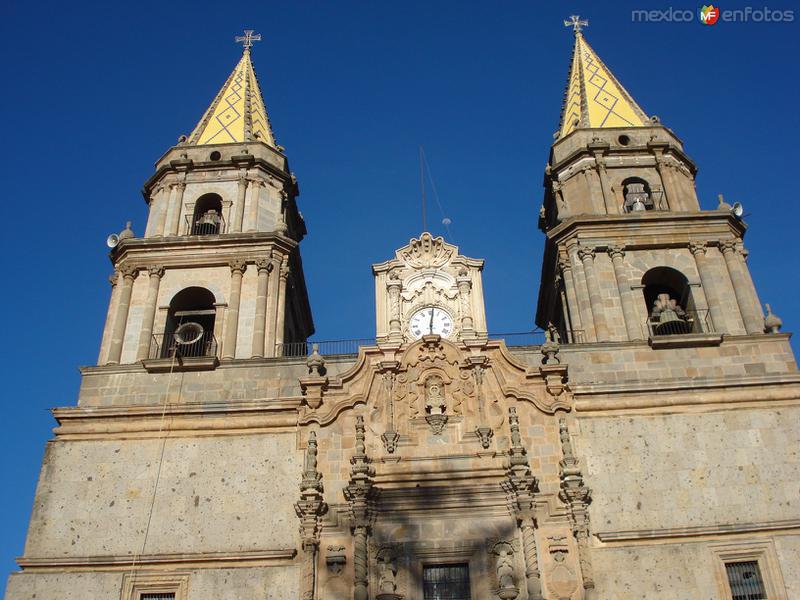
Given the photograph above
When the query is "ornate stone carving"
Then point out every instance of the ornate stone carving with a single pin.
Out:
(238, 265)
(426, 252)
(386, 559)
(505, 578)
(315, 362)
(521, 486)
(390, 437)
(551, 348)
(697, 248)
(617, 251)
(264, 264)
(772, 323)
(361, 495)
(309, 510)
(128, 271)
(435, 403)
(577, 497)
(335, 560)
(155, 271)
(585, 253)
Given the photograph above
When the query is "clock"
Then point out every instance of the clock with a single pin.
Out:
(430, 320)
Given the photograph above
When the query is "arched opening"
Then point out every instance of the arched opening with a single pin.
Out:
(670, 306)
(207, 217)
(638, 195)
(189, 330)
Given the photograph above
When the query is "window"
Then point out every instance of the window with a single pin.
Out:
(155, 586)
(207, 218)
(748, 570)
(638, 197)
(446, 582)
(189, 329)
(670, 306)
(745, 580)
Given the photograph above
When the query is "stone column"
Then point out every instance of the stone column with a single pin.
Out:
(238, 208)
(156, 272)
(264, 266)
(280, 315)
(360, 562)
(595, 298)
(571, 307)
(632, 325)
(664, 175)
(226, 216)
(698, 250)
(112, 305)
(252, 204)
(608, 197)
(741, 287)
(272, 307)
(238, 267)
(176, 201)
(582, 292)
(393, 288)
(121, 317)
(156, 208)
(464, 284)
(532, 574)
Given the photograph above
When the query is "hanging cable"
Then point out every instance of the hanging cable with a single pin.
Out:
(137, 557)
(445, 219)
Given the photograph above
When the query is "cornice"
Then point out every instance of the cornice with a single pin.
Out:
(124, 563)
(187, 250)
(708, 226)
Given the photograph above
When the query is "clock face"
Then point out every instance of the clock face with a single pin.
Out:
(430, 320)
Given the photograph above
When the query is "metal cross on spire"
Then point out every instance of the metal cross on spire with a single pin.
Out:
(248, 38)
(576, 23)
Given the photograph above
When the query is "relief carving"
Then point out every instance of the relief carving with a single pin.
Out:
(503, 571)
(426, 252)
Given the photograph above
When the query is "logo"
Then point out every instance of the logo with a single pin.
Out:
(709, 14)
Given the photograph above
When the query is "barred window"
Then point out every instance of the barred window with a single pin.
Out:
(745, 580)
(162, 596)
(446, 582)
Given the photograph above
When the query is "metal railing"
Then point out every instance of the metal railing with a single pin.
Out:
(205, 224)
(326, 348)
(670, 323)
(537, 338)
(166, 345)
(349, 347)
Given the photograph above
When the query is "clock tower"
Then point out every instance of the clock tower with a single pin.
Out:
(429, 288)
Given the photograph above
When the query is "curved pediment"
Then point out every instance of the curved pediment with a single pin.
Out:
(434, 380)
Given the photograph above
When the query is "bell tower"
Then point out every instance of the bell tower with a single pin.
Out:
(217, 274)
(630, 255)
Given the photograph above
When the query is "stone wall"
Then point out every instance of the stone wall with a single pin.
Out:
(215, 494)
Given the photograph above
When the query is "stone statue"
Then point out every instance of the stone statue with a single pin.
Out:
(434, 395)
(505, 569)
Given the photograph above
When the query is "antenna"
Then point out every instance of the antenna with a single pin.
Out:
(422, 185)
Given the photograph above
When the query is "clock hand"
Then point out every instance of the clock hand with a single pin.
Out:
(431, 324)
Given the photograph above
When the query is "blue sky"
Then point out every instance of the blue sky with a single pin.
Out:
(95, 93)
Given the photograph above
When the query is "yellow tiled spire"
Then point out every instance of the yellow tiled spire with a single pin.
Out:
(594, 98)
(237, 114)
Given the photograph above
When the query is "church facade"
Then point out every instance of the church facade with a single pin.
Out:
(646, 448)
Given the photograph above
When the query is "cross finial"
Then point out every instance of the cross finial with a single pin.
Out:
(576, 23)
(248, 38)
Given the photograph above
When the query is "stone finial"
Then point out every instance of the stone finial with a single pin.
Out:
(772, 322)
(311, 476)
(126, 233)
(315, 362)
(550, 348)
(722, 204)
